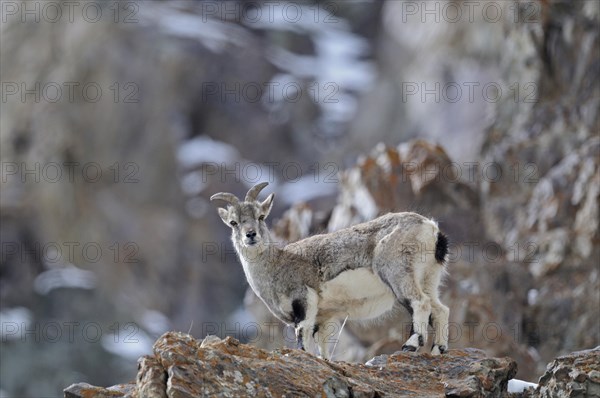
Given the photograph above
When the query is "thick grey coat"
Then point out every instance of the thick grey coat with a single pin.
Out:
(359, 272)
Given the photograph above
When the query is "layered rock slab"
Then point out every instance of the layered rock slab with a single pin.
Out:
(182, 366)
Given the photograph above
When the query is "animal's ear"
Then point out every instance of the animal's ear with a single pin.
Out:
(224, 214)
(267, 205)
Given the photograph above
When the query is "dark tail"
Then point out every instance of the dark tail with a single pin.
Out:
(441, 248)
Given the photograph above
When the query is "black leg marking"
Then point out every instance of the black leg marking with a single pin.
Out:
(298, 311)
(409, 348)
(406, 304)
(430, 320)
(421, 343)
(298, 315)
(315, 330)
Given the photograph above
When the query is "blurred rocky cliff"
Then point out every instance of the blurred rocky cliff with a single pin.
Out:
(119, 122)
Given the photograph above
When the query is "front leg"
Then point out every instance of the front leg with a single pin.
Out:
(300, 343)
(304, 313)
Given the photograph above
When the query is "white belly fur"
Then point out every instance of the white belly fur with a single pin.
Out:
(358, 294)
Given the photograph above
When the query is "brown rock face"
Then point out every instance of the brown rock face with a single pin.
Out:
(185, 367)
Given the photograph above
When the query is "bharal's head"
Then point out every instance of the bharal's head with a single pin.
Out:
(247, 219)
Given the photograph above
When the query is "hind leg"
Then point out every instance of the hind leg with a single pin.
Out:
(406, 287)
(421, 309)
(439, 312)
(400, 263)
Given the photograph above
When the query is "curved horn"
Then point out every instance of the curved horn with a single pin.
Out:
(227, 197)
(254, 191)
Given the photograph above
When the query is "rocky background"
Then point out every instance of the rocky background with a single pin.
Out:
(119, 119)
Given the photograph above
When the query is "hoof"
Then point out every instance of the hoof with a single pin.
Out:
(413, 343)
(438, 349)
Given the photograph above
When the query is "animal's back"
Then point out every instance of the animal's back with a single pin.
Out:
(352, 247)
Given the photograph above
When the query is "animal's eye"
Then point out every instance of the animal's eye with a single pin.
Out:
(261, 218)
(232, 223)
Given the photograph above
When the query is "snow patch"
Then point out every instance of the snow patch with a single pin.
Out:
(129, 343)
(305, 189)
(155, 322)
(212, 33)
(14, 321)
(532, 296)
(515, 385)
(67, 277)
(202, 149)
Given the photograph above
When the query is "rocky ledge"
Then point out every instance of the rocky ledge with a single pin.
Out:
(183, 367)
